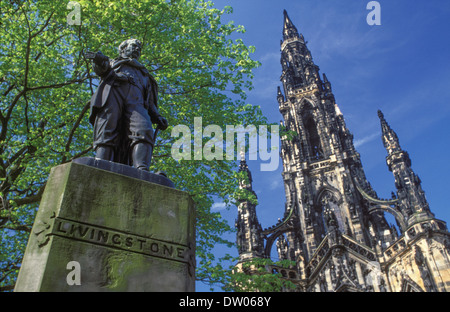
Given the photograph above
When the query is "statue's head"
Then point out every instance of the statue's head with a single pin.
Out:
(130, 48)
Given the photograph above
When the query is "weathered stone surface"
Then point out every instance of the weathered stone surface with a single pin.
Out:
(126, 234)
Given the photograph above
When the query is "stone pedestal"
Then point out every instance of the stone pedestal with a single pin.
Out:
(103, 226)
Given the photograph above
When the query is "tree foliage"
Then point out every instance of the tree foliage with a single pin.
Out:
(261, 275)
(46, 84)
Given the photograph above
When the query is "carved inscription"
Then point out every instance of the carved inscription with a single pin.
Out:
(120, 240)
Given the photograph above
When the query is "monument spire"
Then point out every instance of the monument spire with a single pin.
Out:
(248, 235)
(289, 29)
(389, 137)
(408, 184)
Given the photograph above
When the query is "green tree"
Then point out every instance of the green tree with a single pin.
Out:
(262, 275)
(46, 84)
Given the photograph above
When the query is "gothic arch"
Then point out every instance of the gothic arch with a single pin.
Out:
(408, 285)
(397, 215)
(328, 188)
(328, 204)
(272, 238)
(313, 138)
(305, 104)
(306, 112)
(288, 224)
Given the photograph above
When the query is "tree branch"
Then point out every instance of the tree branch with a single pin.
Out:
(58, 85)
(74, 128)
(8, 90)
(32, 198)
(20, 227)
(81, 153)
(6, 288)
(6, 118)
(43, 26)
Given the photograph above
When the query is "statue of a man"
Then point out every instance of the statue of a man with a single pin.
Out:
(124, 107)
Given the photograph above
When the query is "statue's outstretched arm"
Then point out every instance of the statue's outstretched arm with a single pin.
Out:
(100, 64)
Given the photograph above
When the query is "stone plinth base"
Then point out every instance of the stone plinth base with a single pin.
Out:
(110, 230)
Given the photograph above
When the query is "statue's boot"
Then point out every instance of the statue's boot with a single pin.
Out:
(142, 155)
(104, 153)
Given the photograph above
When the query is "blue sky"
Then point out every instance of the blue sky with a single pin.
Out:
(401, 67)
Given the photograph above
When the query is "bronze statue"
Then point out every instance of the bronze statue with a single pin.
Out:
(124, 107)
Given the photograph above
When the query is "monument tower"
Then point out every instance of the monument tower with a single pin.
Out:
(334, 227)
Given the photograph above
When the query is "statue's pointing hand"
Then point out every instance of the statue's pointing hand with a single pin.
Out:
(162, 123)
(97, 57)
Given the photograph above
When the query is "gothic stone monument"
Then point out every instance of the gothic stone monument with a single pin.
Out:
(334, 227)
(107, 223)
